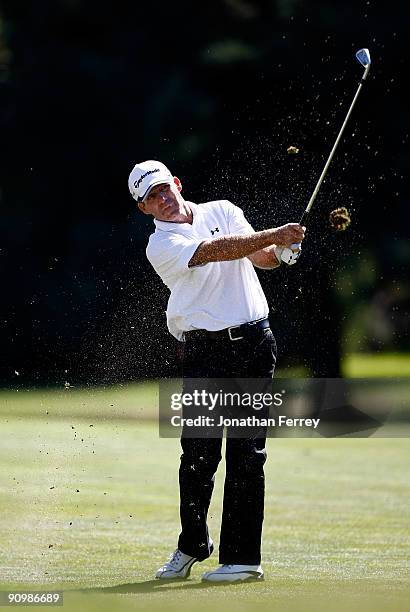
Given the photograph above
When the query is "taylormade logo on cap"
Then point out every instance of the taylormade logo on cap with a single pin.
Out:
(146, 175)
(137, 183)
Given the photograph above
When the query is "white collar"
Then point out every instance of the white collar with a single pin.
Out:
(169, 226)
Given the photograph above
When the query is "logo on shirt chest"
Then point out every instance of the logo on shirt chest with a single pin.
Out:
(213, 231)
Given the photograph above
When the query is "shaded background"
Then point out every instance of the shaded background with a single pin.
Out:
(218, 91)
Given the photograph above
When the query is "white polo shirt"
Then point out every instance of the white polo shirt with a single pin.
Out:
(212, 296)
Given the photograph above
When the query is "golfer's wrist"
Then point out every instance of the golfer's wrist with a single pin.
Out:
(278, 253)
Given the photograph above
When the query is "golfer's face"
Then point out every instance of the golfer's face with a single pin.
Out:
(162, 202)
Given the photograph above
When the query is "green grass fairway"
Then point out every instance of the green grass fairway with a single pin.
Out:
(89, 505)
(367, 365)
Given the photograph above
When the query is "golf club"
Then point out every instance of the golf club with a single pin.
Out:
(362, 56)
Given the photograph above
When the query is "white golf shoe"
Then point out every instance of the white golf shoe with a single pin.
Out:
(178, 566)
(234, 573)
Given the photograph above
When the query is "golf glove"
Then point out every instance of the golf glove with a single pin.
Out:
(289, 255)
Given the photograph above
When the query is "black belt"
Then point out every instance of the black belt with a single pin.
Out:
(233, 333)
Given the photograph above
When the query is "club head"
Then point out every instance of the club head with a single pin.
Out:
(363, 56)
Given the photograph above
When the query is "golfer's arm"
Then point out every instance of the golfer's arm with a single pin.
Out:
(228, 248)
(265, 259)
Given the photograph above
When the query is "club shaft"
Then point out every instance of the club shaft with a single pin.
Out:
(322, 176)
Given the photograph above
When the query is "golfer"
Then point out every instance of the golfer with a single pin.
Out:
(205, 254)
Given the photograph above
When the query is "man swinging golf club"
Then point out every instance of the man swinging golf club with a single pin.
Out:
(206, 254)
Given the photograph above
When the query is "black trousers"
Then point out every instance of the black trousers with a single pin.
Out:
(244, 489)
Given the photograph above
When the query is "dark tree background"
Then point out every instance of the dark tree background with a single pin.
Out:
(218, 91)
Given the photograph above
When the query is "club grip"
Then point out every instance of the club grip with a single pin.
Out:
(304, 218)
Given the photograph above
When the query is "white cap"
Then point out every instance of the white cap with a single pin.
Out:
(145, 175)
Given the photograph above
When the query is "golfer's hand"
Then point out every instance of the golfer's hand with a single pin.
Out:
(291, 255)
(289, 234)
